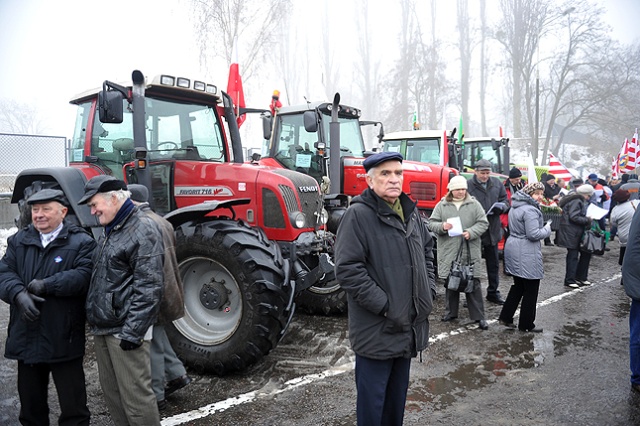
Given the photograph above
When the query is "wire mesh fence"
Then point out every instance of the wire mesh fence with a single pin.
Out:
(19, 152)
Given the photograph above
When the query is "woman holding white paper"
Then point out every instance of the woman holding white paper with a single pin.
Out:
(458, 215)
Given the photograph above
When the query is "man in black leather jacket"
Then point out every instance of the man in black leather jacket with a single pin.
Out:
(124, 300)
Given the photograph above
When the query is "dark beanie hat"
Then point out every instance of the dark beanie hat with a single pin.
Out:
(514, 173)
(620, 196)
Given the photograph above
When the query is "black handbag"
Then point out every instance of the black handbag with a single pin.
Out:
(460, 277)
(593, 241)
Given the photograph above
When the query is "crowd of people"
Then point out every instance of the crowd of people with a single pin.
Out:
(126, 286)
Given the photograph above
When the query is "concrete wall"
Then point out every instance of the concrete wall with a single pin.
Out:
(8, 213)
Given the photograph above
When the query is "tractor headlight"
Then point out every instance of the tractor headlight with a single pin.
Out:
(298, 219)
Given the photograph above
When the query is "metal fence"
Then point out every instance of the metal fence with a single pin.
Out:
(20, 152)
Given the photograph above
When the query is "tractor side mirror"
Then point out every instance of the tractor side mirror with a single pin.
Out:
(110, 106)
(310, 122)
(267, 121)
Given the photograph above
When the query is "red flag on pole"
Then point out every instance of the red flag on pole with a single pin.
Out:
(558, 169)
(633, 151)
(234, 86)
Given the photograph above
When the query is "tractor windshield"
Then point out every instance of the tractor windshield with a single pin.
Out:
(173, 131)
(423, 150)
(481, 150)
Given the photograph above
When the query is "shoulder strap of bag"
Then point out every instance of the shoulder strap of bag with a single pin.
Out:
(459, 255)
(468, 251)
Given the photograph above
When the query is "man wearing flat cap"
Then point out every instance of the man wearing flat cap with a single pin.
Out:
(124, 300)
(490, 192)
(384, 262)
(44, 276)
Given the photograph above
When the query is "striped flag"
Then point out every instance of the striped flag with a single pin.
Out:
(615, 167)
(558, 169)
(633, 151)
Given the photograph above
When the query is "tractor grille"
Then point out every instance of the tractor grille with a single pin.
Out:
(271, 211)
(305, 188)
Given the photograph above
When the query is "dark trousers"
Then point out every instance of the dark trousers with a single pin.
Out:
(577, 267)
(382, 390)
(526, 291)
(474, 303)
(33, 384)
(493, 269)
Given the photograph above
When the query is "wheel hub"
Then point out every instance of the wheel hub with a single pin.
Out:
(214, 295)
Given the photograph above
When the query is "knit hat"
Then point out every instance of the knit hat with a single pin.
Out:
(549, 177)
(514, 173)
(457, 182)
(621, 195)
(532, 187)
(585, 190)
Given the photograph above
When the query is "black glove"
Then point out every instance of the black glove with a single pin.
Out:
(37, 287)
(128, 346)
(26, 303)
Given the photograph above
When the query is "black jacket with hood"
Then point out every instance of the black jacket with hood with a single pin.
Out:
(386, 268)
(573, 222)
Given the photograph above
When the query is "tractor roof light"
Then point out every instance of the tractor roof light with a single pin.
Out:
(184, 82)
(167, 80)
(199, 85)
(212, 89)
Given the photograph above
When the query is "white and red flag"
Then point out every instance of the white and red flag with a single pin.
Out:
(633, 151)
(624, 162)
(234, 86)
(558, 169)
(615, 167)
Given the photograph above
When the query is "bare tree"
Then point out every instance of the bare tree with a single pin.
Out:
(483, 66)
(464, 46)
(519, 31)
(16, 117)
(257, 25)
(367, 68)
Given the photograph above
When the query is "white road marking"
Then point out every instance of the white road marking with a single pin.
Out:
(220, 406)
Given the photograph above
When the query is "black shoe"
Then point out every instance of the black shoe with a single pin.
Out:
(549, 243)
(162, 404)
(507, 324)
(533, 330)
(572, 285)
(496, 299)
(482, 325)
(635, 387)
(584, 283)
(447, 318)
(176, 384)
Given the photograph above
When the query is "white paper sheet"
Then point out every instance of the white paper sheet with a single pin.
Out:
(457, 226)
(596, 212)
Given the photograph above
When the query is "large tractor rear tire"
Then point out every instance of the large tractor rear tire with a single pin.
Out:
(235, 296)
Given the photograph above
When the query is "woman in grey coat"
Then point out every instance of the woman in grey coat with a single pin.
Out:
(458, 203)
(523, 257)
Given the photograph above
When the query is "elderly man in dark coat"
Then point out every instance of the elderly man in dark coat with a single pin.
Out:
(384, 261)
(490, 192)
(44, 276)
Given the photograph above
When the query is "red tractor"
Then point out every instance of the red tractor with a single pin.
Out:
(301, 138)
(249, 238)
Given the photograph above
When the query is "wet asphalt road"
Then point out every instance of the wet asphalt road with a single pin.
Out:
(575, 373)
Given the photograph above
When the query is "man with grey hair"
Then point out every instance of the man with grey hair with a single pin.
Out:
(124, 300)
(384, 262)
